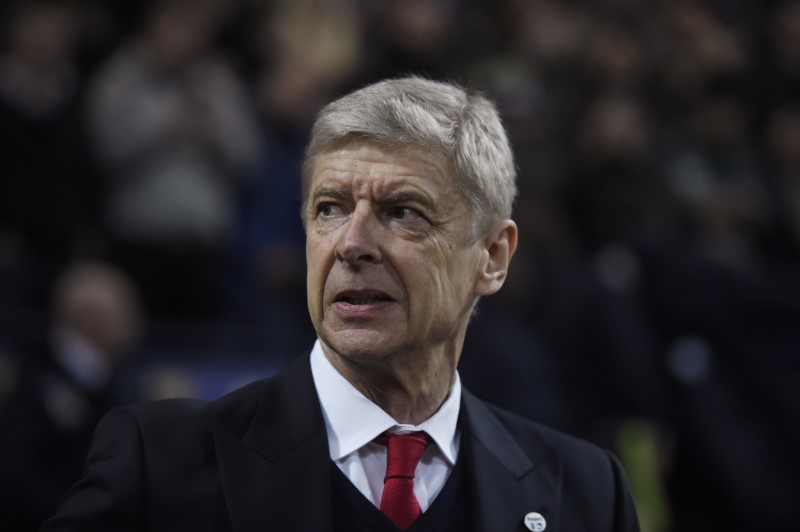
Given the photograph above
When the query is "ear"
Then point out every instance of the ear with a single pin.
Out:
(500, 243)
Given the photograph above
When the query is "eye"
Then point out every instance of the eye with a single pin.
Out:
(404, 213)
(328, 209)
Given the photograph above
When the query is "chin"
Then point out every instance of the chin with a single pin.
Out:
(360, 344)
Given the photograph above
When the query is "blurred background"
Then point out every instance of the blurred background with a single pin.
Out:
(151, 246)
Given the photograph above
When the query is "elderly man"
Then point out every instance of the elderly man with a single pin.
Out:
(407, 193)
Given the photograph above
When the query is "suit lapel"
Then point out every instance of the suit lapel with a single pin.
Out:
(505, 482)
(276, 468)
(276, 473)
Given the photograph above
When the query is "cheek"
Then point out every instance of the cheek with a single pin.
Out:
(431, 283)
(317, 268)
(313, 295)
(459, 277)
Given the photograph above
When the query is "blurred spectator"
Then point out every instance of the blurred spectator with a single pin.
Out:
(695, 49)
(615, 193)
(728, 360)
(783, 183)
(722, 187)
(308, 52)
(271, 251)
(64, 385)
(322, 37)
(47, 194)
(783, 57)
(413, 36)
(176, 130)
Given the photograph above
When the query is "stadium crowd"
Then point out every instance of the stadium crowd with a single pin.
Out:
(149, 207)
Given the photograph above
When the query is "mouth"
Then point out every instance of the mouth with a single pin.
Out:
(362, 297)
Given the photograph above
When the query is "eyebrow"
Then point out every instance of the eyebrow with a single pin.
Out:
(330, 192)
(398, 196)
(407, 196)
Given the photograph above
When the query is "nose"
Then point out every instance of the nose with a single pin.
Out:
(359, 242)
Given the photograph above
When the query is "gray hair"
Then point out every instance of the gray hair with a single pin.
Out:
(464, 126)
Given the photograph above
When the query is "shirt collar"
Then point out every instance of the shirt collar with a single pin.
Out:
(352, 420)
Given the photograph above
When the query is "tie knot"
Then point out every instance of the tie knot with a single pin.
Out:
(403, 452)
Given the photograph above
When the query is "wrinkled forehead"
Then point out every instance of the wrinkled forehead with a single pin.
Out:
(380, 153)
(353, 155)
(394, 175)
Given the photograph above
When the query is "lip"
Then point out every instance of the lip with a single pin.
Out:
(363, 303)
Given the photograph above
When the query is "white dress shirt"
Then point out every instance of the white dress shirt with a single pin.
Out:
(353, 421)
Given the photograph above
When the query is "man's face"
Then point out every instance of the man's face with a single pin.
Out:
(391, 267)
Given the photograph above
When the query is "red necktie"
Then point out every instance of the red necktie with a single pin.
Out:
(403, 453)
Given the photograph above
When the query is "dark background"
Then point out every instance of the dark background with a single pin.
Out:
(654, 303)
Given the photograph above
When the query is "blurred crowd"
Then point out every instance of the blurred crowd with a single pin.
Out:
(149, 210)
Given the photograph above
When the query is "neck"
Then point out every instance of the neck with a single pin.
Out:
(410, 387)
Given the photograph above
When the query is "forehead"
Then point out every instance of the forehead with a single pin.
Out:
(362, 163)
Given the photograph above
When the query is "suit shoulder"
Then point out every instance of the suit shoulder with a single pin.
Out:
(526, 428)
(170, 418)
(580, 458)
(592, 478)
(234, 411)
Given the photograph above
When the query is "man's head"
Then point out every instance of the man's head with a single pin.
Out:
(408, 187)
(99, 303)
(463, 127)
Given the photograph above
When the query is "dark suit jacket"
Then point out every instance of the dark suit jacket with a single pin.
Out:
(257, 459)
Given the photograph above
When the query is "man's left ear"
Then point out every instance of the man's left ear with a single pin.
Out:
(500, 243)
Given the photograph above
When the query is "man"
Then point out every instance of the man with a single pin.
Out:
(407, 193)
(67, 382)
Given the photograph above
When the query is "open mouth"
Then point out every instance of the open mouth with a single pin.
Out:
(362, 297)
